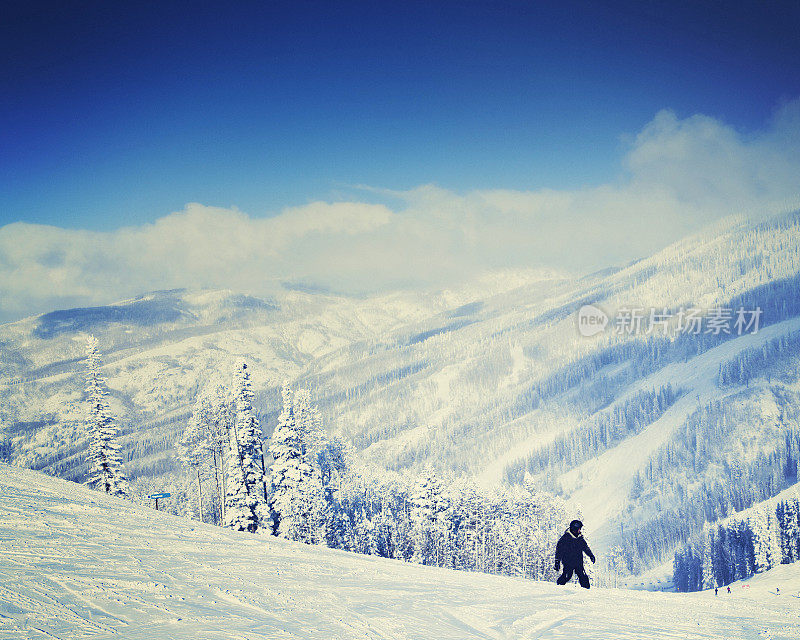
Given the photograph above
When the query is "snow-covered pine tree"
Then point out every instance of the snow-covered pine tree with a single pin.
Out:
(742, 545)
(314, 506)
(428, 516)
(687, 568)
(543, 518)
(305, 420)
(788, 514)
(773, 537)
(105, 472)
(191, 454)
(758, 525)
(470, 505)
(365, 535)
(333, 457)
(384, 530)
(286, 449)
(680, 577)
(726, 554)
(616, 565)
(245, 502)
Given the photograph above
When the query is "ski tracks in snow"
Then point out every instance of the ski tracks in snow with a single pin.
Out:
(75, 564)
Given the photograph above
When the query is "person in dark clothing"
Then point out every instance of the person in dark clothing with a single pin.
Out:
(569, 552)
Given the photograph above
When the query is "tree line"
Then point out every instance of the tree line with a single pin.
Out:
(746, 544)
(601, 432)
(702, 474)
(300, 484)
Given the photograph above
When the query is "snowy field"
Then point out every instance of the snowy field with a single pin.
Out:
(78, 564)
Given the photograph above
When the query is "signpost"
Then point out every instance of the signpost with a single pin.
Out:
(156, 496)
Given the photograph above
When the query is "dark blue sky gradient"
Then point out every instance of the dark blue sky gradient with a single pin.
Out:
(116, 113)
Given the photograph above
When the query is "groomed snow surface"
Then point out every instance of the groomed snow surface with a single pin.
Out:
(78, 564)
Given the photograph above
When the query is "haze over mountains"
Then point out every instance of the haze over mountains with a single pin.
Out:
(650, 432)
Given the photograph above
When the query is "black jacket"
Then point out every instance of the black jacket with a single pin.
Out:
(570, 550)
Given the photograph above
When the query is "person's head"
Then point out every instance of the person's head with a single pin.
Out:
(575, 526)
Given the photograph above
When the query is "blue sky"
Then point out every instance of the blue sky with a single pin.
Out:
(364, 147)
(117, 114)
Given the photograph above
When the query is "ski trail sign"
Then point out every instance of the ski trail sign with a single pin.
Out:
(158, 496)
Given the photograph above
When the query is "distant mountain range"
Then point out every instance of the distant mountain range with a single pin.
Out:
(678, 412)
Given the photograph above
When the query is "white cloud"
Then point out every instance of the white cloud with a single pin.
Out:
(680, 175)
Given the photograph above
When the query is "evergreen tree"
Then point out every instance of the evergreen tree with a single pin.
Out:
(384, 525)
(314, 506)
(723, 557)
(302, 505)
(286, 449)
(789, 521)
(245, 503)
(680, 572)
(429, 520)
(192, 452)
(762, 552)
(334, 460)
(105, 471)
(742, 550)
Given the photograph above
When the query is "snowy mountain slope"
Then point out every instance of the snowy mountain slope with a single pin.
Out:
(78, 564)
(495, 395)
(782, 581)
(160, 348)
(752, 541)
(513, 380)
(602, 486)
(492, 380)
(735, 451)
(792, 493)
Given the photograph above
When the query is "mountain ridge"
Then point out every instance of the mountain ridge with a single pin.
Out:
(467, 381)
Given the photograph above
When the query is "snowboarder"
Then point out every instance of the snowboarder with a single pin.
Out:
(729, 589)
(569, 552)
(716, 591)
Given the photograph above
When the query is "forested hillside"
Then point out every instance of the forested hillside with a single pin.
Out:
(651, 429)
(683, 410)
(752, 541)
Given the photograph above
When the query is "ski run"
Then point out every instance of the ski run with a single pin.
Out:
(76, 563)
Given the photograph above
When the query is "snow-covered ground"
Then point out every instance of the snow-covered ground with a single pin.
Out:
(78, 564)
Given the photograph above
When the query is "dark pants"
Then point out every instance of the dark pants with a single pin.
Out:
(566, 576)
